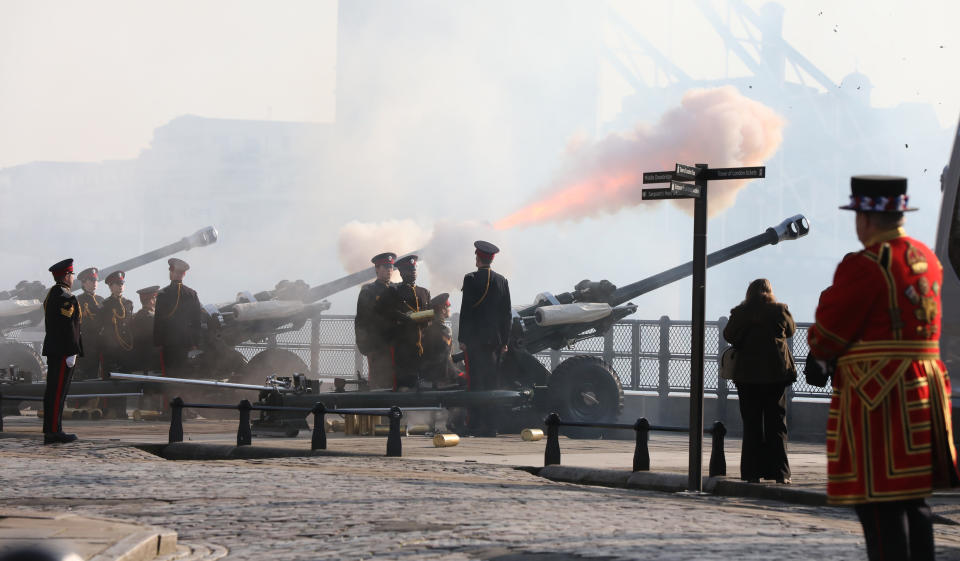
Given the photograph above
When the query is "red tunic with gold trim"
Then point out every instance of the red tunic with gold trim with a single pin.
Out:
(888, 432)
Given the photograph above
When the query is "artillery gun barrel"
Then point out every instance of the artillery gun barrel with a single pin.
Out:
(321, 291)
(790, 229)
(200, 238)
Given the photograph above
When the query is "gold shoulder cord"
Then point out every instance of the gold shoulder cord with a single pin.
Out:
(170, 315)
(116, 326)
(485, 290)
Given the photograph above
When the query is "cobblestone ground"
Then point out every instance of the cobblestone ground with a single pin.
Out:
(382, 508)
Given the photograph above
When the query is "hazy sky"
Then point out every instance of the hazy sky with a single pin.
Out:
(89, 81)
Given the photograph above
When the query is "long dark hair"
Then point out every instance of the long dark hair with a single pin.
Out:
(759, 291)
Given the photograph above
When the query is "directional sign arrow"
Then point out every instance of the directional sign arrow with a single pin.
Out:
(658, 177)
(686, 172)
(736, 173)
(685, 188)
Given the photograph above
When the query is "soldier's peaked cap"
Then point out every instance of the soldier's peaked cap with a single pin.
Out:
(878, 193)
(178, 264)
(90, 273)
(440, 300)
(116, 277)
(486, 249)
(148, 290)
(408, 262)
(62, 267)
(384, 258)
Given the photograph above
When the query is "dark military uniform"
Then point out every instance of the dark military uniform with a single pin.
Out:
(62, 318)
(146, 356)
(176, 326)
(116, 337)
(485, 317)
(374, 330)
(408, 348)
(88, 367)
(437, 366)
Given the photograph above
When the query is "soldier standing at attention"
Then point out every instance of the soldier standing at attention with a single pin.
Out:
(145, 355)
(373, 330)
(88, 367)
(176, 324)
(408, 347)
(116, 315)
(61, 346)
(889, 438)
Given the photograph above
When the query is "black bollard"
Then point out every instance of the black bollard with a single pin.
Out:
(718, 460)
(641, 454)
(176, 421)
(551, 456)
(319, 439)
(244, 438)
(394, 446)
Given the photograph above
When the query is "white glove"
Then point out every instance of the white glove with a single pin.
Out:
(71, 360)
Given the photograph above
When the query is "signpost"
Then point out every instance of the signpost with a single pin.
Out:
(700, 173)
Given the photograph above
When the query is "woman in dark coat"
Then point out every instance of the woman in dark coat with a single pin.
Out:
(758, 329)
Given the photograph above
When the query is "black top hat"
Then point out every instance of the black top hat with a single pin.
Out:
(407, 262)
(878, 193)
(61, 268)
(384, 258)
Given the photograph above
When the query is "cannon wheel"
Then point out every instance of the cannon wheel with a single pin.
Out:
(24, 358)
(272, 361)
(585, 389)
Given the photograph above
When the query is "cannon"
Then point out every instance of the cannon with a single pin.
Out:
(582, 388)
(21, 309)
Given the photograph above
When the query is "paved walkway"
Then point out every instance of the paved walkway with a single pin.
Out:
(464, 502)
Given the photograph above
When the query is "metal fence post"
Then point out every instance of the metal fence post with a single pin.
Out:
(718, 460)
(176, 421)
(318, 440)
(663, 354)
(635, 355)
(551, 456)
(394, 444)
(315, 346)
(608, 346)
(244, 438)
(723, 388)
(641, 454)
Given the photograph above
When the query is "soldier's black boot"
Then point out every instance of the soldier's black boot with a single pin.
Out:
(58, 437)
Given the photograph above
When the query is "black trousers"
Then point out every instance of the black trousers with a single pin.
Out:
(380, 369)
(763, 408)
(482, 362)
(55, 394)
(897, 530)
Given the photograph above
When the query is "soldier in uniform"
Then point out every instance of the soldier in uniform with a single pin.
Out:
(889, 437)
(116, 340)
(484, 332)
(438, 367)
(88, 366)
(408, 298)
(176, 323)
(146, 356)
(61, 346)
(372, 328)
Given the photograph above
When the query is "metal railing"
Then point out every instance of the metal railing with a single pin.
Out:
(641, 452)
(318, 439)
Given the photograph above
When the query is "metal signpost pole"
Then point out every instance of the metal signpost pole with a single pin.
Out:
(695, 479)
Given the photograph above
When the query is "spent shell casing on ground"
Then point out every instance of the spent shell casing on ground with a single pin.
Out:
(445, 440)
(531, 434)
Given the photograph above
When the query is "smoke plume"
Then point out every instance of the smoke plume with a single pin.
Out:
(446, 252)
(717, 126)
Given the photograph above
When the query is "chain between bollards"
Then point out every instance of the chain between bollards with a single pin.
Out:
(244, 436)
(318, 440)
(176, 421)
(394, 445)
